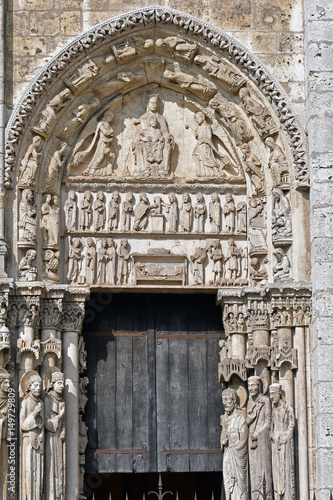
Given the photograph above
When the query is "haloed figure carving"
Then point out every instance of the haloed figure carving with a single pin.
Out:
(259, 417)
(123, 262)
(99, 212)
(127, 211)
(234, 444)
(55, 438)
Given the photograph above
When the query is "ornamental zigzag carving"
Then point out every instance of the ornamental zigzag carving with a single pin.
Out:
(156, 150)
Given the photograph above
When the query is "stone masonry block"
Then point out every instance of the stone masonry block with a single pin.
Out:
(321, 167)
(323, 272)
(322, 194)
(17, 24)
(325, 461)
(322, 300)
(321, 10)
(284, 67)
(29, 46)
(320, 104)
(321, 81)
(70, 22)
(290, 43)
(322, 249)
(45, 22)
(323, 355)
(320, 31)
(325, 429)
(324, 396)
(320, 134)
(32, 4)
(279, 15)
(320, 57)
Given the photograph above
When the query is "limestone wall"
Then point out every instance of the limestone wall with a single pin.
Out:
(319, 38)
(271, 29)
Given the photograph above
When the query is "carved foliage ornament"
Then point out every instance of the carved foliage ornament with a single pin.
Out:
(223, 45)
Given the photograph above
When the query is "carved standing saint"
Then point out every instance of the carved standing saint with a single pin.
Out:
(141, 212)
(114, 211)
(32, 438)
(282, 437)
(259, 416)
(214, 213)
(257, 231)
(254, 170)
(200, 213)
(30, 163)
(110, 262)
(28, 223)
(5, 379)
(241, 217)
(70, 211)
(98, 158)
(74, 260)
(197, 265)
(153, 145)
(127, 210)
(101, 262)
(281, 215)
(186, 214)
(90, 261)
(123, 262)
(277, 163)
(99, 212)
(232, 261)
(229, 213)
(50, 220)
(55, 438)
(172, 213)
(234, 444)
(85, 211)
(215, 254)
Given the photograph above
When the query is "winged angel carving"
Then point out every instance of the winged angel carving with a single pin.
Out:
(93, 155)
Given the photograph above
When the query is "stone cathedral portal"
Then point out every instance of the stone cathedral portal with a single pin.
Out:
(158, 173)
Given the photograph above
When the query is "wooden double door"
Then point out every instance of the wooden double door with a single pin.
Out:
(154, 400)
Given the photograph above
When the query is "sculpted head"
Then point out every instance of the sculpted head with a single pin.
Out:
(153, 101)
(90, 242)
(215, 197)
(254, 385)
(34, 385)
(115, 195)
(57, 382)
(244, 93)
(108, 116)
(110, 242)
(275, 393)
(229, 399)
(269, 141)
(186, 197)
(123, 242)
(129, 196)
(245, 148)
(5, 380)
(199, 117)
(228, 197)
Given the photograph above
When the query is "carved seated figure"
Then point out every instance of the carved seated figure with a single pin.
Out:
(153, 144)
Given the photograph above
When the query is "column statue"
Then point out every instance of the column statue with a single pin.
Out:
(259, 416)
(32, 437)
(282, 437)
(55, 438)
(234, 444)
(5, 380)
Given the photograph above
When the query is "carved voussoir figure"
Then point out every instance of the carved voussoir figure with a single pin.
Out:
(32, 438)
(261, 117)
(282, 437)
(27, 269)
(30, 163)
(27, 222)
(53, 169)
(234, 444)
(277, 163)
(259, 416)
(55, 437)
